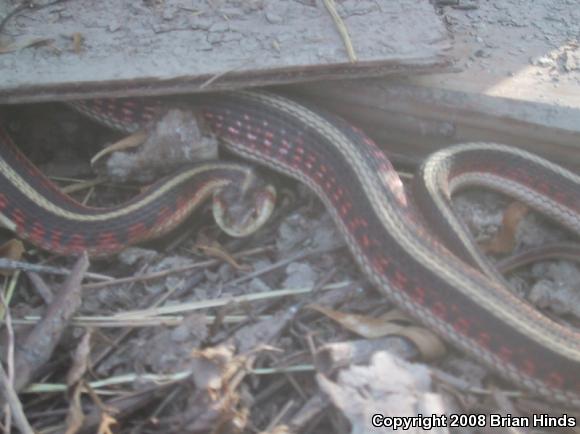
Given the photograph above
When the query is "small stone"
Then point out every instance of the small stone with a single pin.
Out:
(273, 18)
(544, 62)
(180, 333)
(114, 26)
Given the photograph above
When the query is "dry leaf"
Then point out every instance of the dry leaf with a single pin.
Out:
(32, 43)
(75, 416)
(129, 142)
(428, 344)
(13, 250)
(278, 429)
(80, 361)
(389, 386)
(505, 239)
(106, 422)
(77, 42)
(214, 250)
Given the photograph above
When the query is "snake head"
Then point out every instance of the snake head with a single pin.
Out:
(241, 209)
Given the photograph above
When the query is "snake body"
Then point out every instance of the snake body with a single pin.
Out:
(441, 280)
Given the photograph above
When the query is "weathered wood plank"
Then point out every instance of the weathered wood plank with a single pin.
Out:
(519, 85)
(147, 48)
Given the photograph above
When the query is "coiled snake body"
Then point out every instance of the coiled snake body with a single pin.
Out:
(441, 280)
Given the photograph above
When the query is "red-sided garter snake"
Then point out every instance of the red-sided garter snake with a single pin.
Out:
(470, 308)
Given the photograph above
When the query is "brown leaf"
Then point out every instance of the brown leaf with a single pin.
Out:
(106, 422)
(427, 343)
(505, 238)
(13, 250)
(75, 416)
(78, 39)
(80, 361)
(131, 141)
(214, 250)
(32, 43)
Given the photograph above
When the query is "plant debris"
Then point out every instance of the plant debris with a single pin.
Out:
(201, 332)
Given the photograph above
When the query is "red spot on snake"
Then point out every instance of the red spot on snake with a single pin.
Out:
(418, 295)
(439, 310)
(345, 208)
(505, 353)
(380, 264)
(462, 326)
(18, 218)
(55, 238)
(163, 216)
(107, 240)
(528, 367)
(555, 380)
(268, 135)
(3, 201)
(77, 243)
(367, 140)
(365, 241)
(484, 339)
(400, 280)
(37, 232)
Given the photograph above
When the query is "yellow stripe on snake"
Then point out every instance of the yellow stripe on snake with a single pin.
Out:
(428, 265)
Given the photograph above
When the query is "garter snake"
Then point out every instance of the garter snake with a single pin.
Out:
(426, 264)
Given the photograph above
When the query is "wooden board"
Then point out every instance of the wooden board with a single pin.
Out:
(85, 48)
(519, 84)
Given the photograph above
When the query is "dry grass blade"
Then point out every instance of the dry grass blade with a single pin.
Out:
(429, 345)
(9, 394)
(205, 304)
(342, 29)
(129, 142)
(505, 239)
(32, 43)
(215, 250)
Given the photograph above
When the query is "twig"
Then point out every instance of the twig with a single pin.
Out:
(9, 356)
(23, 6)
(279, 264)
(222, 301)
(342, 29)
(14, 403)
(163, 273)
(160, 379)
(9, 264)
(39, 345)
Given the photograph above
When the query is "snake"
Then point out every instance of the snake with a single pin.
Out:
(406, 239)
